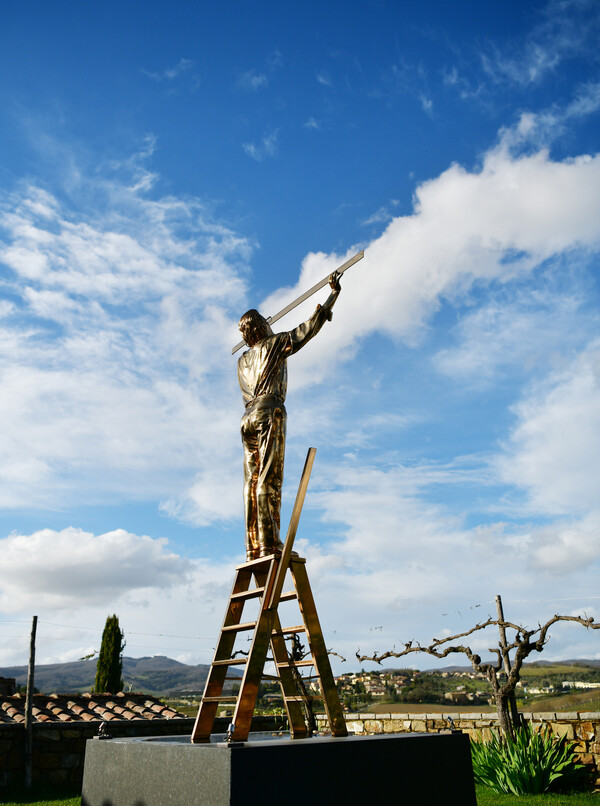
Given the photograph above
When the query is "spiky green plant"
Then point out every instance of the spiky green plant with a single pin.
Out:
(528, 764)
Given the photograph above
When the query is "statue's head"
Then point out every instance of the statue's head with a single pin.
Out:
(254, 327)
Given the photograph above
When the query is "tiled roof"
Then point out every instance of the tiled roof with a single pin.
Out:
(85, 708)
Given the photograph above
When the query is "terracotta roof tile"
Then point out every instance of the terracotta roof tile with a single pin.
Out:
(82, 708)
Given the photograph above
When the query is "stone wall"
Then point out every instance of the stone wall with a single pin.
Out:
(59, 747)
(582, 728)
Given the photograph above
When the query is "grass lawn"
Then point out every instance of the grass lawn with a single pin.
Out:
(76, 801)
(485, 797)
(41, 796)
(573, 701)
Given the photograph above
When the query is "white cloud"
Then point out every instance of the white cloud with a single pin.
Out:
(266, 147)
(117, 318)
(166, 603)
(115, 353)
(547, 126)
(252, 80)
(366, 430)
(586, 101)
(414, 568)
(57, 570)
(528, 68)
(311, 123)
(170, 73)
(564, 547)
(116, 346)
(427, 104)
(381, 216)
(554, 450)
(518, 329)
(214, 495)
(468, 228)
(566, 29)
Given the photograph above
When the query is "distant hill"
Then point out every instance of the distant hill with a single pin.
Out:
(579, 662)
(595, 664)
(164, 676)
(157, 675)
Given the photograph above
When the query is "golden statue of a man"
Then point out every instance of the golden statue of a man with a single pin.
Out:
(262, 373)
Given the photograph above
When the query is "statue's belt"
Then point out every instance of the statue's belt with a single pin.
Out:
(275, 400)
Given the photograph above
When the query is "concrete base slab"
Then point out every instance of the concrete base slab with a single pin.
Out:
(411, 768)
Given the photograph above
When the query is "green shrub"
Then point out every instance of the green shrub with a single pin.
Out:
(530, 763)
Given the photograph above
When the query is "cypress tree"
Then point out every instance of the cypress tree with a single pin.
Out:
(110, 659)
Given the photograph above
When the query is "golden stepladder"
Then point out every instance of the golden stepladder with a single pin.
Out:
(268, 575)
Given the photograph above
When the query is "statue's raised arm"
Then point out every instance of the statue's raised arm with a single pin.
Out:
(262, 374)
(316, 287)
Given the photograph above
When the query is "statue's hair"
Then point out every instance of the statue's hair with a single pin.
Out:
(254, 326)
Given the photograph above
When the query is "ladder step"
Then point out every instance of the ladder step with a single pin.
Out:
(257, 563)
(231, 662)
(290, 663)
(289, 630)
(254, 593)
(288, 596)
(219, 699)
(296, 698)
(249, 625)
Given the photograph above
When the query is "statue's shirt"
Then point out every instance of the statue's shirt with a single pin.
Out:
(262, 370)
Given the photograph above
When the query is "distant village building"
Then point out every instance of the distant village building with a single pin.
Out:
(457, 696)
(579, 684)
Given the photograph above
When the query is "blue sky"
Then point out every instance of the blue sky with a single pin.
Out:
(165, 167)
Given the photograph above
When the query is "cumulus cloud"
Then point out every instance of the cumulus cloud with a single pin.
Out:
(212, 496)
(413, 568)
(494, 224)
(118, 314)
(60, 570)
(517, 329)
(118, 323)
(167, 603)
(564, 547)
(554, 449)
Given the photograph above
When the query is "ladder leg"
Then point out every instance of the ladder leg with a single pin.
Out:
(297, 723)
(333, 707)
(215, 680)
(255, 664)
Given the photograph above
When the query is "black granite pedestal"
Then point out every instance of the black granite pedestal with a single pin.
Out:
(425, 769)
